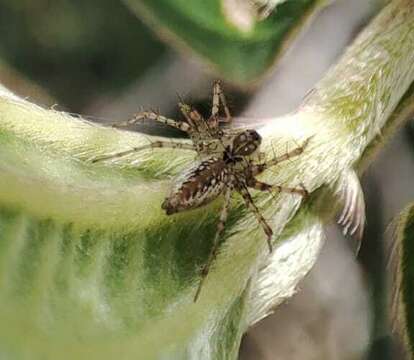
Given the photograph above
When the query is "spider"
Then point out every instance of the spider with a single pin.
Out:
(226, 166)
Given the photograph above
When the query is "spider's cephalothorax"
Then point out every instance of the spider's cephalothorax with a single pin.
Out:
(227, 165)
(244, 144)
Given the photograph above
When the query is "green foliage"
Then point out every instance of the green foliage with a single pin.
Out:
(239, 54)
(403, 271)
(76, 49)
(86, 254)
(90, 266)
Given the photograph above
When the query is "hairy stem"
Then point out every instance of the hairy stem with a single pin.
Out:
(90, 240)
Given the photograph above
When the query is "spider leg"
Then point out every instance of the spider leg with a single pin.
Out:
(152, 115)
(260, 219)
(261, 186)
(153, 145)
(259, 168)
(213, 253)
(192, 116)
(218, 96)
(216, 99)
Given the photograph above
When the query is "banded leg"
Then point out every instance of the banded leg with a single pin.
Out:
(155, 144)
(218, 96)
(193, 117)
(259, 168)
(261, 186)
(260, 219)
(213, 253)
(156, 117)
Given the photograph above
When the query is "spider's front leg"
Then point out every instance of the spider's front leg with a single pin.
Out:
(213, 253)
(218, 95)
(152, 115)
(257, 169)
(153, 145)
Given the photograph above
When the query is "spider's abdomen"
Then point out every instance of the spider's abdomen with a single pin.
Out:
(200, 186)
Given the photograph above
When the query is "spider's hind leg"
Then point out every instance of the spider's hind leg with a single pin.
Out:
(261, 186)
(213, 253)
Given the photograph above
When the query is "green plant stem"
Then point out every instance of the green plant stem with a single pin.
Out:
(90, 240)
(401, 270)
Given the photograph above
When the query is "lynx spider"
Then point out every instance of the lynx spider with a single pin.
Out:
(226, 165)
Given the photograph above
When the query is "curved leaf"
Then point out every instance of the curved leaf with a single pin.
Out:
(240, 52)
(403, 279)
(87, 255)
(91, 267)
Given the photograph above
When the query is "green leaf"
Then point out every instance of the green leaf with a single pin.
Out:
(240, 52)
(88, 256)
(402, 268)
(91, 267)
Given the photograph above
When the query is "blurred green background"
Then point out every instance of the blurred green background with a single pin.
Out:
(74, 49)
